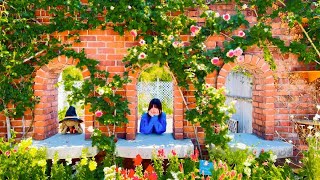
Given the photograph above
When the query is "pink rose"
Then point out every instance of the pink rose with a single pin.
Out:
(215, 60)
(194, 30)
(175, 44)
(238, 51)
(142, 42)
(98, 113)
(173, 152)
(230, 53)
(142, 55)
(240, 59)
(241, 34)
(226, 17)
(133, 32)
(7, 153)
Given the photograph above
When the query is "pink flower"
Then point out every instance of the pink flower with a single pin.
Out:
(175, 44)
(241, 34)
(240, 59)
(195, 30)
(233, 173)
(173, 152)
(133, 32)
(238, 51)
(98, 113)
(230, 53)
(161, 152)
(7, 153)
(142, 55)
(170, 37)
(215, 60)
(142, 42)
(226, 17)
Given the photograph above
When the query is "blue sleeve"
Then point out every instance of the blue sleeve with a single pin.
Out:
(145, 125)
(160, 125)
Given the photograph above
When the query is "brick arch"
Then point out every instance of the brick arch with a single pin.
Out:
(132, 95)
(263, 93)
(46, 111)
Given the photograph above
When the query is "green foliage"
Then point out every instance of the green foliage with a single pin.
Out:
(232, 163)
(21, 161)
(212, 109)
(26, 44)
(311, 159)
(155, 73)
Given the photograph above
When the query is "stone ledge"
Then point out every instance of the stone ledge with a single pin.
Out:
(146, 144)
(67, 146)
(252, 142)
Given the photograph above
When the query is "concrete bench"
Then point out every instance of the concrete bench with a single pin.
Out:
(146, 144)
(252, 142)
(66, 145)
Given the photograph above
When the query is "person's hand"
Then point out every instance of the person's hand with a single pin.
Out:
(153, 112)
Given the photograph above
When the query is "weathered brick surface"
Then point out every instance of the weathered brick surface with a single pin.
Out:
(277, 95)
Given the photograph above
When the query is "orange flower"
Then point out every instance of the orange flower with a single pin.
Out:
(131, 173)
(153, 176)
(137, 160)
(150, 169)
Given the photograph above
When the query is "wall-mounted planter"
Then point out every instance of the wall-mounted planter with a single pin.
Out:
(309, 75)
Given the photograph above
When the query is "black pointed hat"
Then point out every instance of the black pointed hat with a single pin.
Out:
(71, 114)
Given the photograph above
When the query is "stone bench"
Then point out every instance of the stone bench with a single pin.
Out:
(252, 142)
(146, 144)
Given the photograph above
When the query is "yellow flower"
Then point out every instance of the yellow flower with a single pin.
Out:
(33, 152)
(92, 165)
(84, 161)
(42, 163)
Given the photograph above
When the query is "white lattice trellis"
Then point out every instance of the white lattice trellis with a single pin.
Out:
(159, 89)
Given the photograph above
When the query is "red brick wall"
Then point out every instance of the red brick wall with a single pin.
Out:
(276, 95)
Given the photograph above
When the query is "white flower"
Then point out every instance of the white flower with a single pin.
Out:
(142, 42)
(129, 7)
(245, 6)
(273, 157)
(69, 161)
(288, 161)
(247, 171)
(247, 163)
(111, 8)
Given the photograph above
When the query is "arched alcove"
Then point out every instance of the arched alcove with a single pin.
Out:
(132, 96)
(263, 92)
(155, 82)
(46, 111)
(239, 89)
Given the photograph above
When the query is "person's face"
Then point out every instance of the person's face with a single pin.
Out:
(154, 110)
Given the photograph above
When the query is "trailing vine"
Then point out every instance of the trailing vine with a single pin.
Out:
(26, 44)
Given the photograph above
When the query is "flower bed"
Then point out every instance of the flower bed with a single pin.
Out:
(22, 161)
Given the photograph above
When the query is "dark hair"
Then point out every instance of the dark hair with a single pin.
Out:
(157, 104)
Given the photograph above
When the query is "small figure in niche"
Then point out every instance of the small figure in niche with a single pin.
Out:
(71, 122)
(153, 121)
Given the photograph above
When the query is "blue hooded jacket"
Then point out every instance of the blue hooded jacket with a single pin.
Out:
(153, 124)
